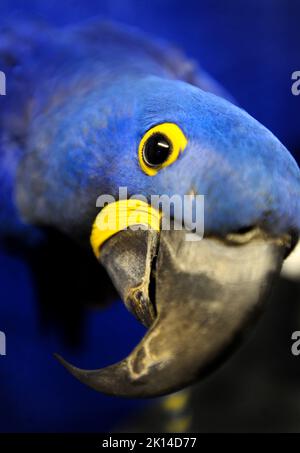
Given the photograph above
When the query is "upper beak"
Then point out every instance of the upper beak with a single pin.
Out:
(197, 297)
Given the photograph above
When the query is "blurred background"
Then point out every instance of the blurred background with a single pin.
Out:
(251, 47)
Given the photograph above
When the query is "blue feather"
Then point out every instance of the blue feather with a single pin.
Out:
(92, 93)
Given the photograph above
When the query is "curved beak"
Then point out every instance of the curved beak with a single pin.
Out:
(198, 297)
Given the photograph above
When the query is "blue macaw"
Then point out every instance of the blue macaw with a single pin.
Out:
(96, 107)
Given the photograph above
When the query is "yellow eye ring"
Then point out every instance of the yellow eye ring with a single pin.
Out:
(160, 147)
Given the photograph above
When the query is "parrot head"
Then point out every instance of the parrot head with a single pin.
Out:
(196, 290)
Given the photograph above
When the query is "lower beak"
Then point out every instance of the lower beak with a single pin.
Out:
(197, 297)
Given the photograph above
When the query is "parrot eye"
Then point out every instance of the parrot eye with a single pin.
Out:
(156, 150)
(160, 147)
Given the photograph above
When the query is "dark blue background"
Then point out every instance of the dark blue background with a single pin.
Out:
(251, 47)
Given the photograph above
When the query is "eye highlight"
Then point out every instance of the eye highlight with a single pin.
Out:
(160, 147)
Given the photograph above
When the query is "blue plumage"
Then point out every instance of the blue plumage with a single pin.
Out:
(79, 101)
(86, 95)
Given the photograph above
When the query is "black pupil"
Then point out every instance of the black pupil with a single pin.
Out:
(156, 150)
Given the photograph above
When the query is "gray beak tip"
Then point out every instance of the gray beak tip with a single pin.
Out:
(70, 368)
(81, 375)
(63, 362)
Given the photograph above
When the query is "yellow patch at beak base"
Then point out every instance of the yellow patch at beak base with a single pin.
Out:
(120, 215)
